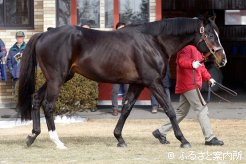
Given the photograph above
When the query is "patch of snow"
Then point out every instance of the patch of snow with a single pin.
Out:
(11, 124)
(58, 120)
(68, 120)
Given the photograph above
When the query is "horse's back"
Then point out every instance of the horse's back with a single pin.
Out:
(115, 57)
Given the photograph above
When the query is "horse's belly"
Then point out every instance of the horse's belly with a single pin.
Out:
(108, 73)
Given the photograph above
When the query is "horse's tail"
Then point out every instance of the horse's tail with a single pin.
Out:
(27, 78)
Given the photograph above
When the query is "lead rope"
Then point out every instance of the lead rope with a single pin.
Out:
(228, 90)
(209, 93)
(197, 89)
(224, 88)
(196, 85)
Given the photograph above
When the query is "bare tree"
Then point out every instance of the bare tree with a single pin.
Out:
(128, 12)
(88, 12)
(137, 16)
(64, 12)
(144, 8)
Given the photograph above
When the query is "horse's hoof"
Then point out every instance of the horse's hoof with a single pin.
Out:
(29, 140)
(121, 145)
(185, 145)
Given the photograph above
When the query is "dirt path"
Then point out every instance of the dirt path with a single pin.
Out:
(93, 142)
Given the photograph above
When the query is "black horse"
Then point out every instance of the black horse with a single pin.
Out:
(136, 54)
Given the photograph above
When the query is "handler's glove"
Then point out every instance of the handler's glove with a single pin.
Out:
(212, 82)
(196, 64)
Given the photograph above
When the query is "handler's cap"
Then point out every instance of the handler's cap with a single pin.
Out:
(20, 34)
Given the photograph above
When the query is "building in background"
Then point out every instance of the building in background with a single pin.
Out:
(32, 16)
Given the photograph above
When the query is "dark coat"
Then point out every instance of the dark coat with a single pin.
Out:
(3, 52)
(13, 65)
(184, 81)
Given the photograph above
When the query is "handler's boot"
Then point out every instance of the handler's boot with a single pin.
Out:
(214, 142)
(160, 137)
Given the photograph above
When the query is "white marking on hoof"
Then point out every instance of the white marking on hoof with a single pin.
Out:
(32, 135)
(61, 147)
(54, 138)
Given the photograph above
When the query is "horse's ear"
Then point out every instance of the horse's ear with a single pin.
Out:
(212, 18)
(204, 17)
(204, 20)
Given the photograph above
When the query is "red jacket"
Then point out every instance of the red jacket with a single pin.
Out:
(184, 60)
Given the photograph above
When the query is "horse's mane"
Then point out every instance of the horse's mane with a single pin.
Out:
(169, 26)
(180, 26)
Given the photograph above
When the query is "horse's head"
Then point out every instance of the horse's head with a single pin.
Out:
(207, 41)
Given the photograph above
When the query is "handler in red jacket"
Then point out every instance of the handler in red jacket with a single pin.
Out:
(188, 59)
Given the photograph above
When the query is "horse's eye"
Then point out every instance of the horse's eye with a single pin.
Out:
(211, 35)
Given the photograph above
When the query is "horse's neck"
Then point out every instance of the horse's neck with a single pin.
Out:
(174, 44)
(176, 33)
(151, 28)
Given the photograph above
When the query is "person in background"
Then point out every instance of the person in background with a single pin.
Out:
(116, 87)
(3, 52)
(190, 74)
(15, 55)
(167, 85)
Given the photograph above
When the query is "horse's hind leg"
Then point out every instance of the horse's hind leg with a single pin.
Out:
(52, 92)
(128, 102)
(37, 100)
(157, 89)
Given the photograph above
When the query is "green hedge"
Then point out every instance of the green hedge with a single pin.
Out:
(77, 94)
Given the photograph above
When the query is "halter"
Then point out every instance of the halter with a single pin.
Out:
(212, 49)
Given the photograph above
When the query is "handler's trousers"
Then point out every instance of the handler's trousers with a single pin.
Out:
(189, 100)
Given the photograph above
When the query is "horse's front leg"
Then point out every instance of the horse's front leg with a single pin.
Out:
(48, 105)
(158, 91)
(36, 103)
(128, 102)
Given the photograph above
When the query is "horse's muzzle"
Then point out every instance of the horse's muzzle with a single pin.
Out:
(223, 62)
(220, 58)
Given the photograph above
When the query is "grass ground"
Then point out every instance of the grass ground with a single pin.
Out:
(93, 142)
